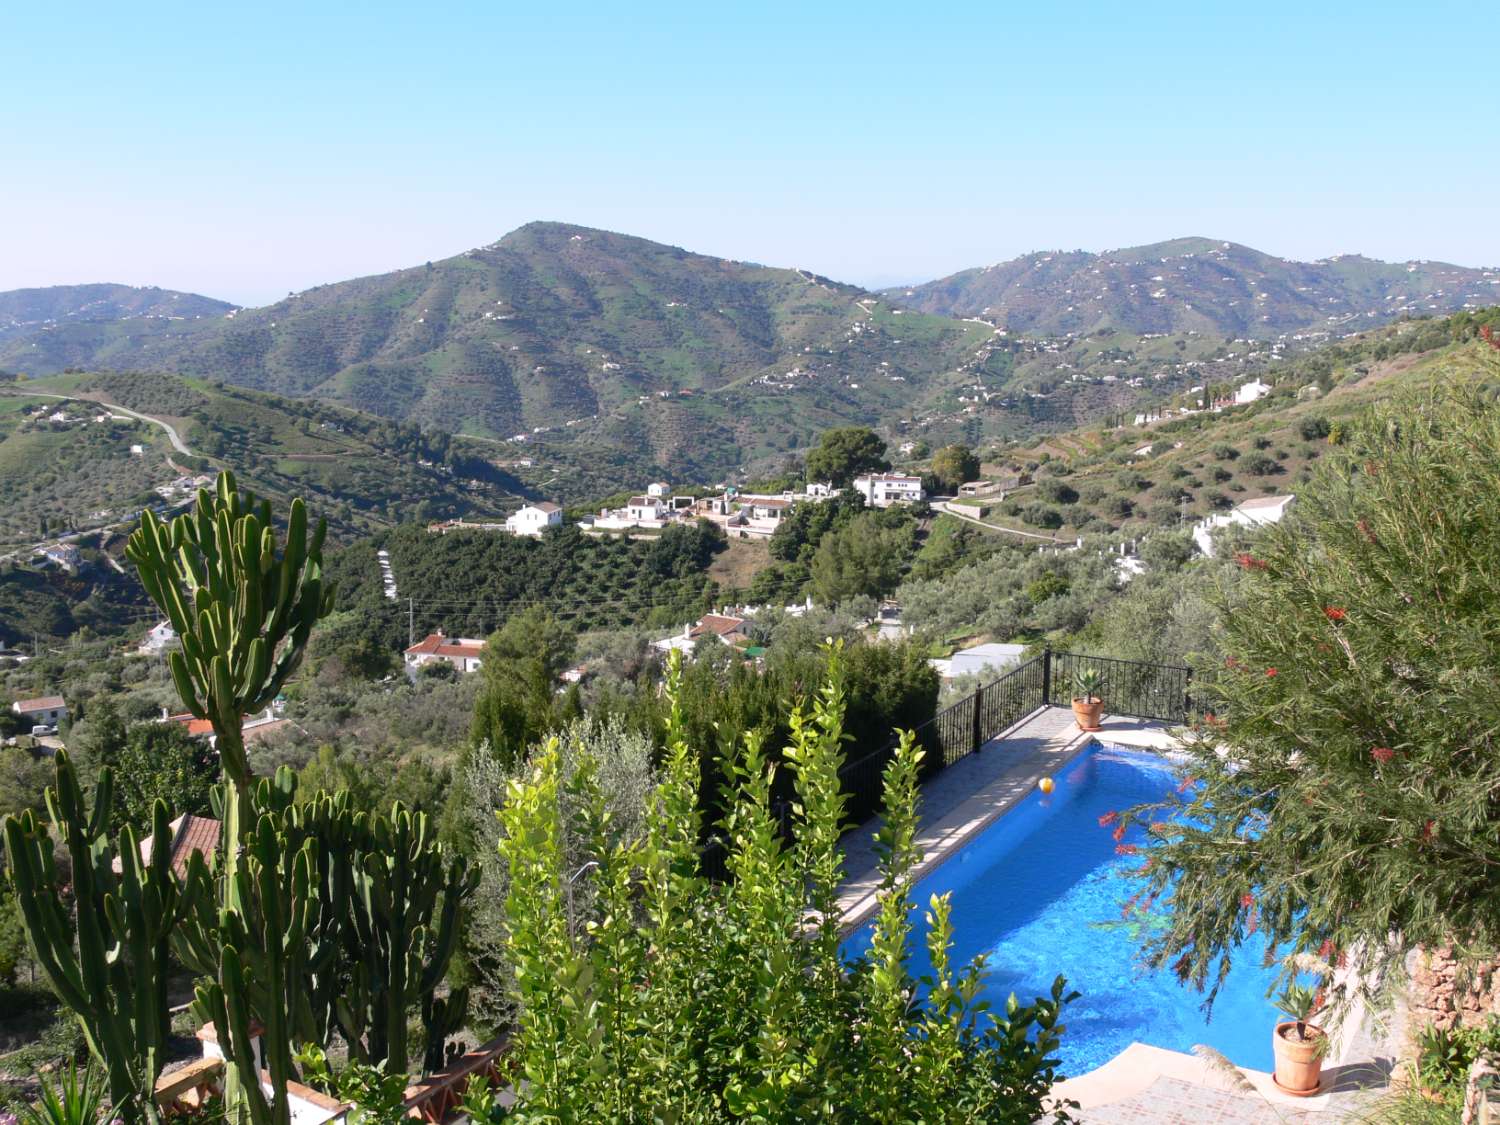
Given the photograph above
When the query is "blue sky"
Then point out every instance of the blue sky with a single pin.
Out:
(247, 150)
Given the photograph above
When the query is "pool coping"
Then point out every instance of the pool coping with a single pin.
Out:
(944, 837)
(1135, 1068)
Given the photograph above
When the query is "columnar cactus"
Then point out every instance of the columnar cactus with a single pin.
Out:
(244, 613)
(114, 979)
(408, 894)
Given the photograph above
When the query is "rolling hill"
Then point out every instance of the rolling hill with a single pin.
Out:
(71, 460)
(1200, 285)
(552, 324)
(81, 318)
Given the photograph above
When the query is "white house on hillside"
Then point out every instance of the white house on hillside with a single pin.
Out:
(158, 639)
(660, 489)
(1251, 391)
(47, 710)
(1257, 512)
(881, 490)
(464, 653)
(534, 519)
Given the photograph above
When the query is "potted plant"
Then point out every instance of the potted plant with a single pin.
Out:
(1299, 1044)
(1088, 701)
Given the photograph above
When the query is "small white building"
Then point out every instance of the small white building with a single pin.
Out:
(645, 509)
(986, 660)
(726, 628)
(1251, 392)
(881, 490)
(533, 519)
(659, 489)
(1258, 512)
(46, 710)
(464, 653)
(160, 637)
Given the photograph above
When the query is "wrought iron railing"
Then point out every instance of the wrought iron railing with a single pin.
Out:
(1132, 688)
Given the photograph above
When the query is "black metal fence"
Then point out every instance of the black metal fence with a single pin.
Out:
(1132, 688)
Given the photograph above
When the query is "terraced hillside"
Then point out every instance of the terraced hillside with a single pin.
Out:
(1214, 288)
(552, 324)
(67, 463)
(1128, 479)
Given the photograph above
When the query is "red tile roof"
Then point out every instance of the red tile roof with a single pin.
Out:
(435, 644)
(44, 703)
(189, 834)
(716, 623)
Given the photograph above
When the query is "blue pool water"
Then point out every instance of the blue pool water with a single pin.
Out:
(1039, 892)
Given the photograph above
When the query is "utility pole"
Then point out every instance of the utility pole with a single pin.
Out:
(411, 622)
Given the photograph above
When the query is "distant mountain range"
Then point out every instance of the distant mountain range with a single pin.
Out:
(551, 324)
(28, 313)
(1199, 285)
(705, 364)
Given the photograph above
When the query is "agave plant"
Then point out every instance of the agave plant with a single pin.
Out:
(1088, 684)
(77, 1099)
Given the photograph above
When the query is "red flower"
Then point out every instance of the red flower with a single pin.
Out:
(1249, 561)
(1429, 830)
(1247, 900)
(1270, 672)
(1108, 818)
(1119, 832)
(1126, 849)
(1382, 754)
(1186, 783)
(1334, 613)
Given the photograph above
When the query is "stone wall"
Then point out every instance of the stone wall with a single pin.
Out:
(1435, 996)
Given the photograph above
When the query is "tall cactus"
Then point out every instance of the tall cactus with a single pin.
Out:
(114, 980)
(304, 853)
(244, 613)
(408, 895)
(266, 950)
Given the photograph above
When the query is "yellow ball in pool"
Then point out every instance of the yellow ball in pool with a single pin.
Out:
(1046, 785)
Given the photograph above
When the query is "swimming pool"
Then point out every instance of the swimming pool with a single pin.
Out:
(1039, 892)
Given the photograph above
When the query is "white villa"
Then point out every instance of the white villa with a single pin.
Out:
(46, 710)
(719, 625)
(464, 653)
(158, 639)
(1251, 392)
(533, 519)
(1256, 512)
(881, 490)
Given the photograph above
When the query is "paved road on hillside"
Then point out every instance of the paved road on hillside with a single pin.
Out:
(172, 435)
(958, 512)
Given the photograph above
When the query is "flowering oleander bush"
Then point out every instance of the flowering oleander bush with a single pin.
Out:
(1347, 799)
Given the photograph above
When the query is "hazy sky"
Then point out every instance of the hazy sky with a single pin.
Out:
(246, 150)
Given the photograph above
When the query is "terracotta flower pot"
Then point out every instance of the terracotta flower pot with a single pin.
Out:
(1087, 712)
(1299, 1063)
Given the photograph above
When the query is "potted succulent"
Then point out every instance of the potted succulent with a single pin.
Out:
(1088, 701)
(1299, 1044)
